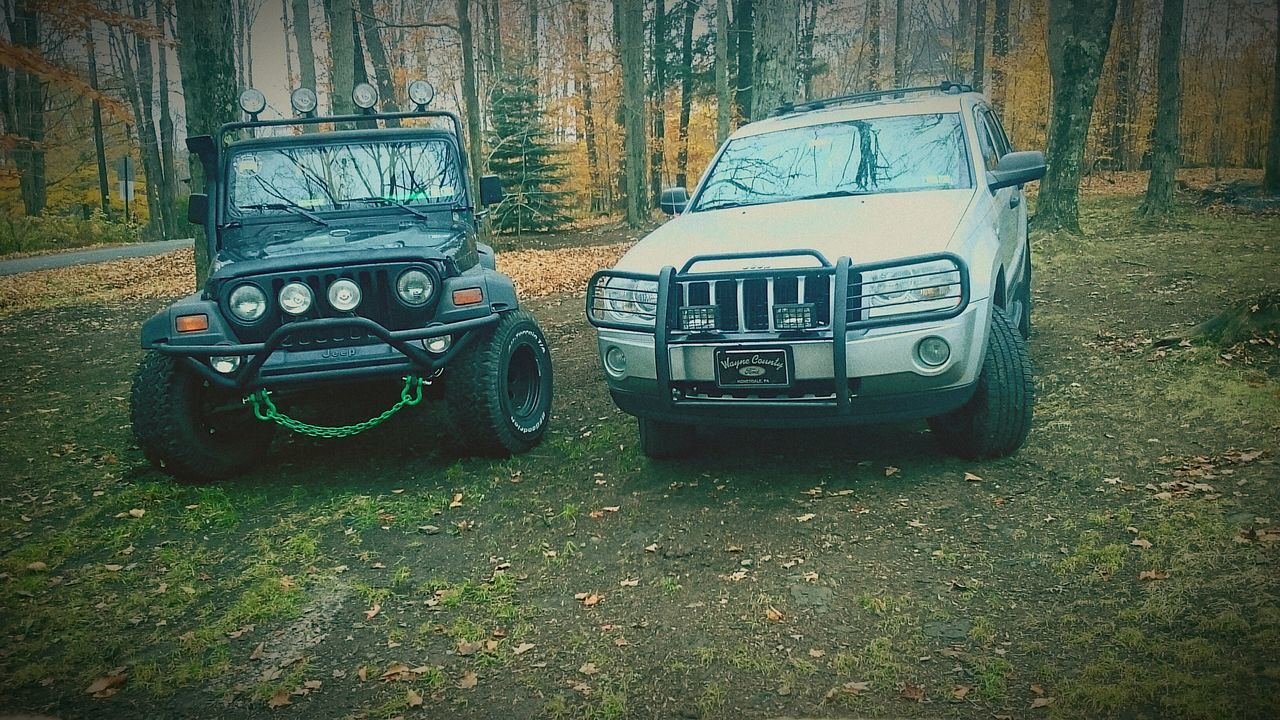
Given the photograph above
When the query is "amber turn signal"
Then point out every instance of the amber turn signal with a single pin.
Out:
(192, 323)
(468, 296)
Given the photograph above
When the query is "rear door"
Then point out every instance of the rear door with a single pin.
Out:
(1008, 202)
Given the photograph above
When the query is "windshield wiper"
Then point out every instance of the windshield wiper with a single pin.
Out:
(725, 205)
(833, 194)
(391, 201)
(294, 208)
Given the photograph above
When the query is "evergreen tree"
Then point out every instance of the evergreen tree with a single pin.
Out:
(528, 165)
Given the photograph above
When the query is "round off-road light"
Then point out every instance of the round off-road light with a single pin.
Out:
(415, 287)
(365, 96)
(438, 344)
(303, 100)
(295, 298)
(615, 361)
(225, 364)
(253, 101)
(248, 302)
(421, 93)
(344, 295)
(933, 351)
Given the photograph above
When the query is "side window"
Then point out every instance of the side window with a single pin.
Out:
(990, 156)
(1003, 146)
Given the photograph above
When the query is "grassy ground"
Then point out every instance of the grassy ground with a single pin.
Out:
(1123, 564)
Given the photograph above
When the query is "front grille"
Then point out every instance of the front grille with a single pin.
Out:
(746, 304)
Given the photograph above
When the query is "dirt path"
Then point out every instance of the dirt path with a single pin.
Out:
(1123, 564)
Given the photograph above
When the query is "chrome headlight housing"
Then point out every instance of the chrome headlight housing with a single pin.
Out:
(296, 298)
(415, 287)
(344, 295)
(920, 287)
(628, 301)
(247, 302)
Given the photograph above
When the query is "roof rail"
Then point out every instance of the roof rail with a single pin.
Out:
(946, 86)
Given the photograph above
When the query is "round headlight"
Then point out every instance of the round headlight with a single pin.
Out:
(253, 101)
(303, 100)
(248, 302)
(933, 351)
(421, 93)
(295, 298)
(415, 287)
(344, 295)
(225, 364)
(364, 96)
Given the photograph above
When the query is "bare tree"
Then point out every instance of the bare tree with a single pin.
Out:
(999, 53)
(775, 68)
(744, 29)
(900, 44)
(874, 31)
(1123, 104)
(686, 91)
(630, 16)
(1271, 181)
(1164, 138)
(342, 49)
(470, 96)
(29, 105)
(1079, 33)
(657, 96)
(582, 79)
(723, 109)
(979, 44)
(99, 146)
(382, 68)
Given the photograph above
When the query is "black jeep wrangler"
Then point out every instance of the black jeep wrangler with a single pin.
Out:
(342, 249)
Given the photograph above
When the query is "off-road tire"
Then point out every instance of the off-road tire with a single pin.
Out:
(660, 440)
(996, 420)
(496, 406)
(170, 426)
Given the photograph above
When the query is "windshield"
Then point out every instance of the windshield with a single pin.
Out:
(891, 154)
(306, 179)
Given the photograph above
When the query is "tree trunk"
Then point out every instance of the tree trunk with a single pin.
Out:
(631, 36)
(100, 150)
(1164, 138)
(1125, 61)
(582, 16)
(1271, 180)
(979, 44)
(961, 36)
(775, 68)
(873, 30)
(343, 50)
(382, 69)
(302, 35)
(28, 104)
(206, 59)
(138, 81)
(744, 24)
(657, 95)
(900, 44)
(806, 47)
(999, 54)
(288, 43)
(495, 35)
(1079, 34)
(169, 190)
(533, 38)
(686, 92)
(723, 109)
(471, 97)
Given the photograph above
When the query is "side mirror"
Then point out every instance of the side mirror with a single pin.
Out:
(197, 208)
(1016, 168)
(673, 201)
(490, 190)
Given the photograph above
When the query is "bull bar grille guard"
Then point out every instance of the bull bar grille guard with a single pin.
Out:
(850, 304)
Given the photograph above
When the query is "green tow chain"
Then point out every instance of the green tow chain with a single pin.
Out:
(266, 411)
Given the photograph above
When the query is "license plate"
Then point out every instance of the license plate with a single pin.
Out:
(769, 367)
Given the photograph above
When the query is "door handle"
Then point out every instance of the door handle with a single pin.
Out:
(1015, 200)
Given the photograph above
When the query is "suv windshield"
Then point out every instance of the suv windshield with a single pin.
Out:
(305, 179)
(877, 155)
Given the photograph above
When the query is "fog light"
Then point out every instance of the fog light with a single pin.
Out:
(438, 344)
(793, 317)
(615, 361)
(225, 364)
(933, 351)
(344, 295)
(699, 318)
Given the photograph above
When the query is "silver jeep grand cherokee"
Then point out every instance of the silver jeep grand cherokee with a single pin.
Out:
(850, 260)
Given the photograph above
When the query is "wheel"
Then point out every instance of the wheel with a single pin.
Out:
(189, 429)
(996, 420)
(498, 389)
(660, 439)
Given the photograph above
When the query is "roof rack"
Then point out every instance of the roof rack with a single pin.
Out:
(946, 86)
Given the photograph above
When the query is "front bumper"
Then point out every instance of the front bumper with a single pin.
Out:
(672, 376)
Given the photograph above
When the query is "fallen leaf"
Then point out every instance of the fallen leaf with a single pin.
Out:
(911, 692)
(257, 652)
(37, 566)
(651, 548)
(589, 669)
(1153, 575)
(970, 477)
(312, 684)
(816, 653)
(106, 685)
(1144, 544)
(468, 648)
(1037, 689)
(137, 513)
(522, 648)
(414, 699)
(468, 681)
(774, 614)
(805, 517)
(113, 567)
(373, 611)
(397, 671)
(960, 691)
(590, 599)
(890, 471)
(849, 688)
(612, 508)
(632, 582)
(1041, 702)
(280, 699)
(457, 501)
(362, 673)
